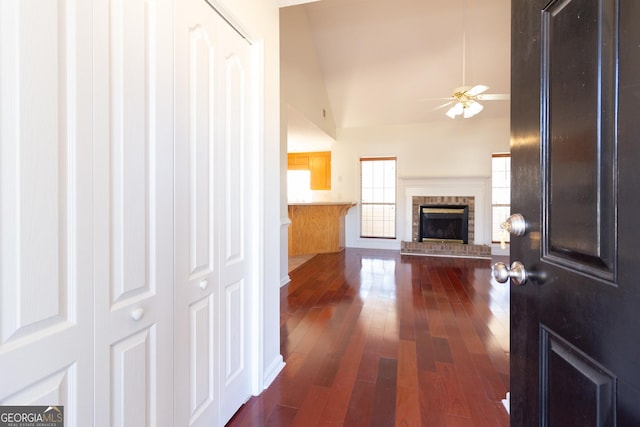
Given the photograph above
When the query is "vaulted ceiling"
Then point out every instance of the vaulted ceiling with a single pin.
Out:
(391, 62)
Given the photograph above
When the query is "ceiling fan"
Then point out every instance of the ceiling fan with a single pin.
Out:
(465, 99)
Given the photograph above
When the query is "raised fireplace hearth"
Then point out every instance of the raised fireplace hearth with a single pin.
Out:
(444, 226)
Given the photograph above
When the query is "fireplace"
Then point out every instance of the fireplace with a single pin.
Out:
(439, 246)
(443, 223)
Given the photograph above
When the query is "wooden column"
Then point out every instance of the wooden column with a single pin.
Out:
(317, 227)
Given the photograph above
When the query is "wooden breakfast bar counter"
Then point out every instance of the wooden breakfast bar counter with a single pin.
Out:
(317, 227)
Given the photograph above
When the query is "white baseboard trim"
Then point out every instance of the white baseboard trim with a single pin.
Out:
(273, 370)
(497, 250)
(506, 402)
(285, 280)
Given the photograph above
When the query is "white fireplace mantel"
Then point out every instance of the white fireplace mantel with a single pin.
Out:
(477, 187)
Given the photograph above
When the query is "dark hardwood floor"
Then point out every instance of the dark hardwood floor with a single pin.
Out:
(373, 338)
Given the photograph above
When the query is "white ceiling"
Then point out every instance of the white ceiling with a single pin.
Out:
(389, 62)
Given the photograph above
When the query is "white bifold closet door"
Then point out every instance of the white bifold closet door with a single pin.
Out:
(126, 157)
(86, 213)
(214, 148)
(133, 89)
(46, 197)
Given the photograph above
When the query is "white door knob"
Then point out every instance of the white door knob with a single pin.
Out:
(137, 314)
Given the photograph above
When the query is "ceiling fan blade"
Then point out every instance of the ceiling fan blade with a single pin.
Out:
(495, 97)
(436, 99)
(477, 89)
(442, 106)
(462, 89)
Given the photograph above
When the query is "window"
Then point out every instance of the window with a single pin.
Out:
(378, 197)
(298, 186)
(500, 194)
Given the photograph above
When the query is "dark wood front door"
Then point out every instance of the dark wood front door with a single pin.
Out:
(575, 141)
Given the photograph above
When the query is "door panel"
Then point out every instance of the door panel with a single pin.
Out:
(569, 375)
(37, 168)
(134, 205)
(236, 269)
(575, 80)
(201, 127)
(132, 360)
(202, 361)
(203, 217)
(578, 135)
(196, 218)
(212, 268)
(45, 207)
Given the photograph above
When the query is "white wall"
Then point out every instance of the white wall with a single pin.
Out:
(303, 88)
(452, 149)
(307, 119)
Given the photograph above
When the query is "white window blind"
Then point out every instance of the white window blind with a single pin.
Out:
(500, 194)
(378, 197)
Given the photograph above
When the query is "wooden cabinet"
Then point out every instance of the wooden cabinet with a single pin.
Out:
(320, 166)
(298, 161)
(317, 227)
(318, 162)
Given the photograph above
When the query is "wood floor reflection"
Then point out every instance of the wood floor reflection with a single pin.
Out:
(373, 338)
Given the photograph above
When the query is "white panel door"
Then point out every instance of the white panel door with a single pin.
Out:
(196, 253)
(134, 206)
(212, 225)
(234, 196)
(46, 258)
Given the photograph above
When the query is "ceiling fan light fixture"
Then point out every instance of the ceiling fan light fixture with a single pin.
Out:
(472, 108)
(466, 108)
(458, 109)
(466, 101)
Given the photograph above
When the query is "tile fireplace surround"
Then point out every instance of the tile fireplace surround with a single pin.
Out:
(470, 250)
